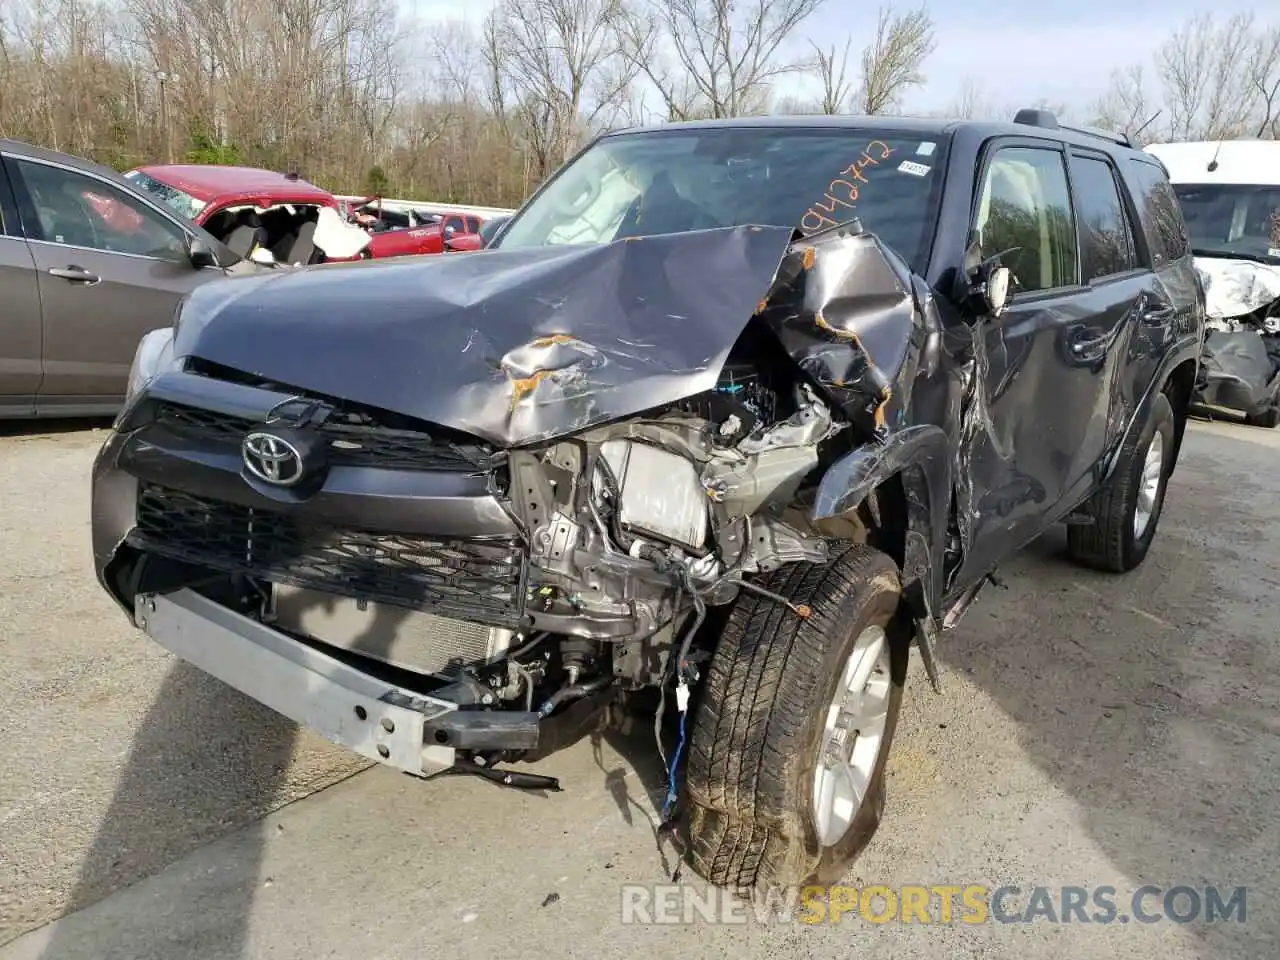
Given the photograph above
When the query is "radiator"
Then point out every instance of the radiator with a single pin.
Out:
(410, 639)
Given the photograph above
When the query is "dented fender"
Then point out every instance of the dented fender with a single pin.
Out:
(844, 308)
(921, 456)
(1186, 349)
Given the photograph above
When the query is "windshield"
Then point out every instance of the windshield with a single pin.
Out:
(181, 203)
(668, 181)
(1232, 219)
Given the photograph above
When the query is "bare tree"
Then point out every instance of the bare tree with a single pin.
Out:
(1201, 69)
(1125, 107)
(726, 53)
(831, 73)
(1214, 79)
(559, 65)
(971, 103)
(1263, 72)
(353, 95)
(892, 63)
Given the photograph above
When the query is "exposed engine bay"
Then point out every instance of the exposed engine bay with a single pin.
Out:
(1240, 362)
(632, 528)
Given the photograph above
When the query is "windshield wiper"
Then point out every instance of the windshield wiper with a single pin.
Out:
(1234, 255)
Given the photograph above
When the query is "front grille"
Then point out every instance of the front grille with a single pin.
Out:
(354, 440)
(473, 580)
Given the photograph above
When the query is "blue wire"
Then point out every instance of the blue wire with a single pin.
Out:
(673, 792)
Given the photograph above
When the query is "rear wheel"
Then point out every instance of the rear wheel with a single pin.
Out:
(1127, 510)
(785, 782)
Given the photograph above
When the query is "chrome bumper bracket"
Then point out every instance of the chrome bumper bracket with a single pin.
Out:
(379, 721)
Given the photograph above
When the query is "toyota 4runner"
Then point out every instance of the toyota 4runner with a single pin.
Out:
(735, 413)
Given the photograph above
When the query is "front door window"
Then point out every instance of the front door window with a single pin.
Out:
(80, 211)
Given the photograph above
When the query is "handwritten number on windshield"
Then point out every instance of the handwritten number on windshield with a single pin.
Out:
(842, 192)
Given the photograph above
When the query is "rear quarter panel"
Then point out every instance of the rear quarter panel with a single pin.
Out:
(1173, 330)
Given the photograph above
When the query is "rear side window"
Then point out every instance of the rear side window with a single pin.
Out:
(1158, 209)
(1106, 239)
(1024, 212)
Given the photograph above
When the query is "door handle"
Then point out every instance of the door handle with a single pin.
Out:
(75, 275)
(1152, 310)
(1088, 349)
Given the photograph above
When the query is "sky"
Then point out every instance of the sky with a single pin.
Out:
(1015, 51)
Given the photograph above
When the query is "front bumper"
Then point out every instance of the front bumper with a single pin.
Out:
(1224, 391)
(384, 723)
(1236, 374)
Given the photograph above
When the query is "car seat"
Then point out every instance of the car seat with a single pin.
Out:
(303, 248)
(661, 209)
(246, 236)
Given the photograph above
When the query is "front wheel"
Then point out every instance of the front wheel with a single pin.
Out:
(1126, 511)
(785, 783)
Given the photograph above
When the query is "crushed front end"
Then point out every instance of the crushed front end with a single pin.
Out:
(1240, 359)
(440, 598)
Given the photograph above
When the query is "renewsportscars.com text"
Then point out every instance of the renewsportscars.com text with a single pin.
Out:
(934, 904)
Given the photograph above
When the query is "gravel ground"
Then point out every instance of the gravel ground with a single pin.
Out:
(1093, 730)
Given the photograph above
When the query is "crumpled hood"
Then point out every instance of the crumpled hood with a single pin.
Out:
(1234, 288)
(512, 346)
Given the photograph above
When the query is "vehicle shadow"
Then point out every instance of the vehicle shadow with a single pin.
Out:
(1149, 698)
(205, 761)
(637, 782)
(31, 429)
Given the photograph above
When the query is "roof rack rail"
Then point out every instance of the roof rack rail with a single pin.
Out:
(1115, 137)
(1045, 119)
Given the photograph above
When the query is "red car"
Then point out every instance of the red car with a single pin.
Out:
(249, 210)
(401, 233)
(476, 241)
(252, 210)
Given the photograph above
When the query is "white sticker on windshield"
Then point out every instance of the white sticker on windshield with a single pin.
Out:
(916, 169)
(925, 149)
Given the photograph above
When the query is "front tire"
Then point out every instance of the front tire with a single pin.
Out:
(1127, 510)
(785, 782)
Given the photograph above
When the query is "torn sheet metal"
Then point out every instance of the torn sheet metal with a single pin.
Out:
(1240, 371)
(843, 307)
(1233, 288)
(512, 346)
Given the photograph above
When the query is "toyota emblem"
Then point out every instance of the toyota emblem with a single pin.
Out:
(272, 458)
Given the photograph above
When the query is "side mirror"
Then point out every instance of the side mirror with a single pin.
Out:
(450, 230)
(201, 254)
(985, 286)
(996, 290)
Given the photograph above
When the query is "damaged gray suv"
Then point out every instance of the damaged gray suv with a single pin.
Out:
(729, 416)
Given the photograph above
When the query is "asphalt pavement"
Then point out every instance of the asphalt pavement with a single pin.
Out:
(1093, 731)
